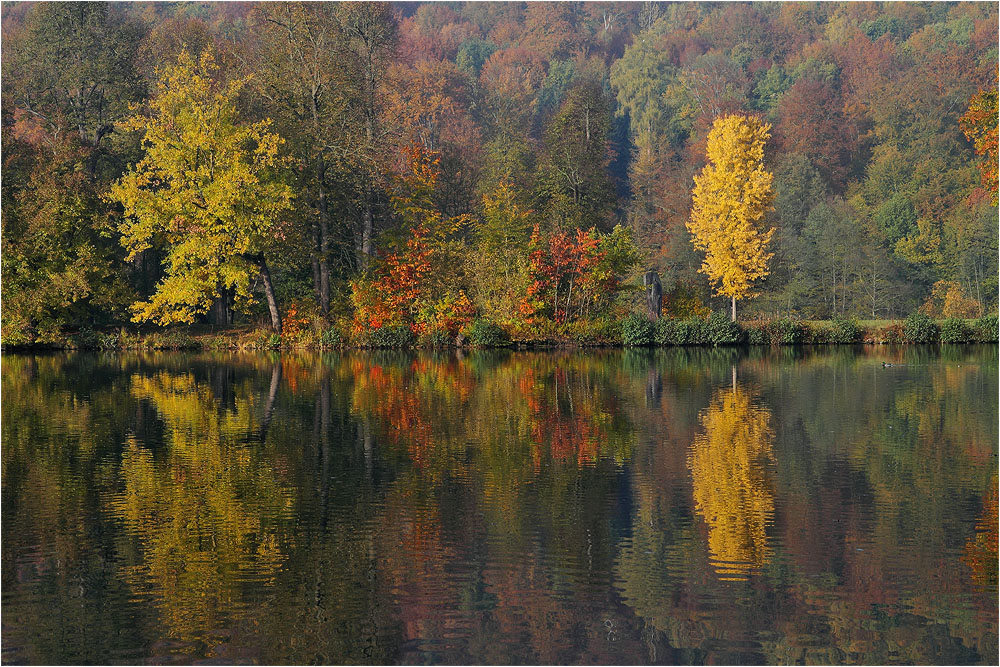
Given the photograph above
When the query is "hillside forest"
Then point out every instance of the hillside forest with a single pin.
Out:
(357, 166)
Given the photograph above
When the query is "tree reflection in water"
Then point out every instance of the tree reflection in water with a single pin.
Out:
(636, 506)
(733, 494)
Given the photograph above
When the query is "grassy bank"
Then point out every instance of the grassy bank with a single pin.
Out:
(633, 331)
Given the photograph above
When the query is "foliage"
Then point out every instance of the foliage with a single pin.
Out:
(207, 190)
(682, 301)
(918, 328)
(497, 263)
(785, 332)
(955, 330)
(409, 284)
(483, 333)
(688, 331)
(721, 330)
(459, 127)
(730, 198)
(294, 325)
(757, 334)
(844, 330)
(980, 125)
(986, 329)
(891, 335)
(331, 337)
(948, 299)
(391, 336)
(574, 188)
(637, 330)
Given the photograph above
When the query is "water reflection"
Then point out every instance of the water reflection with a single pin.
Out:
(733, 493)
(639, 506)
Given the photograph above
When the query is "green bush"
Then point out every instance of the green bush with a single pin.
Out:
(918, 328)
(690, 331)
(85, 338)
(721, 330)
(331, 337)
(955, 330)
(483, 333)
(664, 331)
(817, 334)
(786, 332)
(600, 331)
(757, 334)
(844, 331)
(395, 336)
(637, 330)
(984, 330)
(274, 341)
(435, 338)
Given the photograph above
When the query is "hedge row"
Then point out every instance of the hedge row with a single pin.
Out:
(638, 330)
(634, 331)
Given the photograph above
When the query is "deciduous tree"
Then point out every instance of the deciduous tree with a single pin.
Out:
(980, 126)
(207, 189)
(731, 196)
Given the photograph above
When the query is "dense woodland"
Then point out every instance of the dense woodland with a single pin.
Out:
(365, 165)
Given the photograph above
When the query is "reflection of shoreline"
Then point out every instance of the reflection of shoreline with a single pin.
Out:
(731, 487)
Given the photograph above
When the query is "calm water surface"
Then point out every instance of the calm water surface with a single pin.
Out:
(671, 506)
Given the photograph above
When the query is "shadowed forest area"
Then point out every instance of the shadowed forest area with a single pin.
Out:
(346, 172)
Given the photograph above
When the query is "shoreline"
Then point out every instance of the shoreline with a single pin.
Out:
(663, 333)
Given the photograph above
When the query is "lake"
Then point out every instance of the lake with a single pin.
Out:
(683, 505)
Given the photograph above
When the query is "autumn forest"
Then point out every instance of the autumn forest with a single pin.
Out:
(347, 171)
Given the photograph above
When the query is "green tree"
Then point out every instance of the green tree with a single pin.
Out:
(208, 189)
(68, 78)
(574, 186)
(301, 77)
(371, 40)
(73, 70)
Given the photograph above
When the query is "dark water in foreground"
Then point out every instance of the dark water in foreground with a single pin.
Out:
(672, 506)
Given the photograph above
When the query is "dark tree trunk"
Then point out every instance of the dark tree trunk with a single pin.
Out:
(315, 266)
(654, 294)
(366, 232)
(324, 244)
(221, 314)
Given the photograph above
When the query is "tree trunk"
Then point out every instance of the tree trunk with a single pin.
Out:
(220, 314)
(315, 264)
(366, 233)
(324, 244)
(324, 258)
(734, 309)
(272, 300)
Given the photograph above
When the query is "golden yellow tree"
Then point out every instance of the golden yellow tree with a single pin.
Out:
(731, 196)
(208, 189)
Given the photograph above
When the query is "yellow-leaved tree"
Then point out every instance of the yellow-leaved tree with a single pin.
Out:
(731, 196)
(208, 190)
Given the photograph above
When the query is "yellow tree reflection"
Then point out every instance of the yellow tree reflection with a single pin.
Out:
(732, 491)
(204, 516)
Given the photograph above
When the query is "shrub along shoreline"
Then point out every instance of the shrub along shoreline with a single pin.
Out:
(635, 330)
